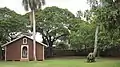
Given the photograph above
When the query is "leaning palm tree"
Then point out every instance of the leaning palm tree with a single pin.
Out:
(32, 5)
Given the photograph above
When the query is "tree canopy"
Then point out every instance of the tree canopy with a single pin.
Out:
(10, 22)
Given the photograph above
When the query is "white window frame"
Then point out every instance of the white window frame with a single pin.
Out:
(24, 42)
(27, 51)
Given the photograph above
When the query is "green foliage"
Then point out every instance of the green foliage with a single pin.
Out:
(53, 23)
(10, 22)
(79, 14)
(82, 34)
(62, 45)
(106, 13)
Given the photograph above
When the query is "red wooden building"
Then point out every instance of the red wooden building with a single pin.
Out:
(22, 49)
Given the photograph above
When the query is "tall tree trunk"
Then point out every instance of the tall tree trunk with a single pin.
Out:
(34, 33)
(50, 49)
(31, 18)
(96, 39)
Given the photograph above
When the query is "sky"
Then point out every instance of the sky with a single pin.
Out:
(71, 5)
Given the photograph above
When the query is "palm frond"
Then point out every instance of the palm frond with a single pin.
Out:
(33, 4)
(43, 2)
(40, 3)
(25, 4)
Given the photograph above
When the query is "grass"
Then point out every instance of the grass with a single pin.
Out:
(63, 63)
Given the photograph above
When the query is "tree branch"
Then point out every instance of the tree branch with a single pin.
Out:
(59, 37)
(43, 34)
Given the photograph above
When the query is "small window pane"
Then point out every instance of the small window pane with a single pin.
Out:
(24, 40)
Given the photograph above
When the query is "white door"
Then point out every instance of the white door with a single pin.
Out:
(24, 52)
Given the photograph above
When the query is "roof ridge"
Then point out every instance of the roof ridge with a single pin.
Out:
(19, 38)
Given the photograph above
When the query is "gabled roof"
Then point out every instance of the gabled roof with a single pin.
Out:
(21, 37)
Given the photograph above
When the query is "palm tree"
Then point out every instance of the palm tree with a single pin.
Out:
(32, 5)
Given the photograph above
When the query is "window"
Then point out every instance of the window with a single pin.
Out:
(24, 40)
(24, 52)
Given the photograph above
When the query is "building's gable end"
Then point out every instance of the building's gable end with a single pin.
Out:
(22, 38)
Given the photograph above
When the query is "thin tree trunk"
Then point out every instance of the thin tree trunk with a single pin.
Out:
(96, 39)
(34, 32)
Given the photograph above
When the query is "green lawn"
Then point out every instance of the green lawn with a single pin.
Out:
(62, 63)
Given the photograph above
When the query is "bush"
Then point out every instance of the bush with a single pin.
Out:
(90, 57)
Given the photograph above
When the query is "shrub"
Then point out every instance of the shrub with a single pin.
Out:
(91, 57)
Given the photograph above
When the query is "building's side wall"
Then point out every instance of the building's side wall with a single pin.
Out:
(30, 42)
(40, 52)
(13, 50)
